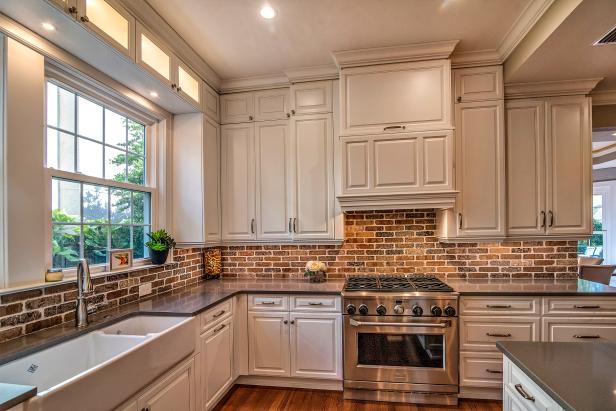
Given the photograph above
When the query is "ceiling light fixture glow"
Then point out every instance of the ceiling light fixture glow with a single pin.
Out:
(267, 12)
(48, 26)
(153, 94)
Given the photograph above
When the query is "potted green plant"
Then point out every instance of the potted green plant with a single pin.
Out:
(159, 244)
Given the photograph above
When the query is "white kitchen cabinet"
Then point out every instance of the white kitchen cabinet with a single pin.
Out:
(154, 56)
(313, 176)
(271, 104)
(549, 167)
(237, 108)
(481, 369)
(311, 97)
(274, 192)
(268, 343)
(238, 182)
(176, 392)
(520, 392)
(217, 362)
(480, 169)
(478, 84)
(196, 179)
(111, 21)
(211, 103)
(316, 345)
(402, 97)
(186, 82)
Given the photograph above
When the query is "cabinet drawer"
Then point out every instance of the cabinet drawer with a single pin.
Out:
(479, 83)
(268, 302)
(481, 369)
(576, 306)
(216, 314)
(579, 329)
(499, 305)
(482, 333)
(513, 377)
(315, 303)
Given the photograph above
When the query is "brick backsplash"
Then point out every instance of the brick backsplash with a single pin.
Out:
(24, 312)
(397, 242)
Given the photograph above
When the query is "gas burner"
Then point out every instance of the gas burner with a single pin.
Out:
(392, 283)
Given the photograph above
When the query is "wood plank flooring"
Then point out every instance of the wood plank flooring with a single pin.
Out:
(247, 398)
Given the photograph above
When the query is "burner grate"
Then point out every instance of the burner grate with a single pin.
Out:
(415, 282)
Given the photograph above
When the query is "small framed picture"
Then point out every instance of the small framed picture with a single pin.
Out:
(120, 258)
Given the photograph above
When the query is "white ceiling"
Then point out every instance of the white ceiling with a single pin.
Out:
(568, 53)
(232, 37)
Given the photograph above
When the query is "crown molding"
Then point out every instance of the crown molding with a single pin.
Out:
(603, 97)
(394, 54)
(476, 58)
(551, 88)
(236, 85)
(314, 73)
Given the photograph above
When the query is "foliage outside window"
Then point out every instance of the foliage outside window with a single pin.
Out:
(86, 139)
(595, 245)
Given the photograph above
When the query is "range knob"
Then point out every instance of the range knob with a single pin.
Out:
(450, 311)
(351, 309)
(363, 309)
(436, 311)
(381, 310)
(417, 311)
(398, 309)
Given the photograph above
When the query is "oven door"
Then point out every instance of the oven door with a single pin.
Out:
(401, 350)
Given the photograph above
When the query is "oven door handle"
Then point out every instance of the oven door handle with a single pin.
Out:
(443, 324)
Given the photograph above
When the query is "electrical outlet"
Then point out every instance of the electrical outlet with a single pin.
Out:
(145, 289)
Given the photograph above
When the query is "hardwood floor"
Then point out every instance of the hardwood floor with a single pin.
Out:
(246, 398)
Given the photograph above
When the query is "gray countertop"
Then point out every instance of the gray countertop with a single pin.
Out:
(578, 376)
(523, 286)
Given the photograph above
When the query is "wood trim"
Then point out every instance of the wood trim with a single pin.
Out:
(388, 201)
(315, 73)
(290, 382)
(476, 58)
(394, 54)
(254, 83)
(551, 88)
(603, 97)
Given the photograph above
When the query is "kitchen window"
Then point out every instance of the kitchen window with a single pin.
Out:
(98, 162)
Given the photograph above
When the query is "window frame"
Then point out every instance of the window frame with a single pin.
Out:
(149, 186)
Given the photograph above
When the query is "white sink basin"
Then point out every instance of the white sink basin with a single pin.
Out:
(104, 367)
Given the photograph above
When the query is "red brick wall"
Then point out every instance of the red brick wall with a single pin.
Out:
(396, 242)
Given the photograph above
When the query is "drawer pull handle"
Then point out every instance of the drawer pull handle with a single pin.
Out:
(313, 303)
(394, 128)
(498, 335)
(498, 306)
(523, 393)
(587, 306)
(218, 314)
(493, 371)
(268, 302)
(589, 337)
(219, 327)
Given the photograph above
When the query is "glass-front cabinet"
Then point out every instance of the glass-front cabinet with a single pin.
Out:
(111, 21)
(188, 83)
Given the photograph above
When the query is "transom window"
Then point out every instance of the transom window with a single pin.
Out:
(100, 200)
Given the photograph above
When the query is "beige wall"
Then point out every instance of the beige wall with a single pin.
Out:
(604, 116)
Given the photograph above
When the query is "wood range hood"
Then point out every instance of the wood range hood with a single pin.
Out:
(396, 145)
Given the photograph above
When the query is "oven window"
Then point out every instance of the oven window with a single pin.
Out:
(401, 350)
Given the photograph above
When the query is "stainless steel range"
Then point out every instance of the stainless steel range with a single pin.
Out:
(400, 339)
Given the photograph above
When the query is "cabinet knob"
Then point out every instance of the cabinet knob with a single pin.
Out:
(292, 321)
(85, 19)
(72, 10)
(293, 112)
(285, 322)
(459, 99)
(288, 115)
(250, 118)
(173, 86)
(178, 88)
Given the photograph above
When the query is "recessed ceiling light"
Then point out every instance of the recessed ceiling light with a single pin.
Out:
(614, 134)
(267, 12)
(153, 94)
(48, 26)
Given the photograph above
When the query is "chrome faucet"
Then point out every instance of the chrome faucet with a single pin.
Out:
(84, 288)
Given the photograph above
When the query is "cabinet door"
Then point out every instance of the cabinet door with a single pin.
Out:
(412, 96)
(316, 345)
(526, 167)
(238, 182)
(217, 360)
(311, 98)
(153, 56)
(273, 193)
(479, 84)
(568, 161)
(177, 392)
(211, 103)
(65, 5)
(188, 84)
(211, 131)
(112, 22)
(480, 165)
(236, 108)
(268, 343)
(271, 104)
(313, 164)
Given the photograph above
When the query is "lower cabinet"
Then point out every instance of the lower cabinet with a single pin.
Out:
(216, 362)
(521, 393)
(302, 344)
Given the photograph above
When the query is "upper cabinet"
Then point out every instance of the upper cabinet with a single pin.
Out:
(400, 97)
(549, 167)
(255, 106)
(478, 84)
(311, 97)
(111, 21)
(211, 103)
(187, 83)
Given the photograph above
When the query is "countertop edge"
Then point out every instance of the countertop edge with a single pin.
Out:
(548, 390)
(27, 393)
